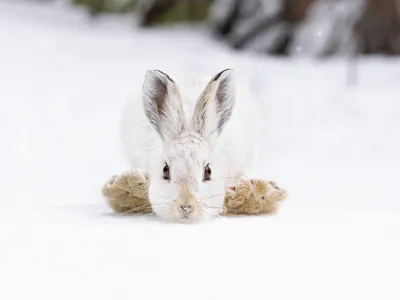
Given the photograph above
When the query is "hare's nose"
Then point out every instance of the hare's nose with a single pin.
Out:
(186, 209)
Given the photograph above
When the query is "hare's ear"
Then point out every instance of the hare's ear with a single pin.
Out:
(163, 105)
(215, 105)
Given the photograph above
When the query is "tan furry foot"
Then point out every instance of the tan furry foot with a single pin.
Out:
(237, 195)
(253, 197)
(276, 192)
(128, 192)
(267, 195)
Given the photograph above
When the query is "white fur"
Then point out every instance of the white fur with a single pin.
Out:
(231, 154)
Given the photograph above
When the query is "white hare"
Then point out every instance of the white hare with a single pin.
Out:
(190, 149)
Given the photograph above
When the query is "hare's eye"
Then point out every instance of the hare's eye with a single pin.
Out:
(207, 173)
(166, 172)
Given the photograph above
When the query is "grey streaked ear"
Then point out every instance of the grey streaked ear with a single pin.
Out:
(215, 105)
(162, 104)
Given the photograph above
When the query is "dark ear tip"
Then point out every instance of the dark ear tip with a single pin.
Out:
(218, 76)
(158, 73)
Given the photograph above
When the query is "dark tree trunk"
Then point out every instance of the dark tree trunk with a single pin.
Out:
(295, 11)
(226, 26)
(151, 13)
(292, 13)
(378, 29)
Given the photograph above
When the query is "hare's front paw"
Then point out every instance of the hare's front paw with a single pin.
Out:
(267, 190)
(237, 195)
(253, 197)
(128, 192)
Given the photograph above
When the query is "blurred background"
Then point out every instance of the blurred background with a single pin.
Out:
(326, 74)
(278, 27)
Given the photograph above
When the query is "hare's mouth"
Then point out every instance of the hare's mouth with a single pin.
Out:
(187, 217)
(192, 216)
(187, 220)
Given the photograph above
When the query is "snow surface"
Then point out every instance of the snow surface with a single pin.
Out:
(64, 81)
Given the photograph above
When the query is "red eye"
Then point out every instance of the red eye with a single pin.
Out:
(166, 172)
(207, 173)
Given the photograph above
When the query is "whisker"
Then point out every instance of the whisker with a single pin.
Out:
(150, 195)
(207, 212)
(230, 209)
(217, 195)
(151, 214)
(215, 207)
(139, 208)
(130, 211)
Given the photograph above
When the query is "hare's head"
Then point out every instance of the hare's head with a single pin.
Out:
(186, 179)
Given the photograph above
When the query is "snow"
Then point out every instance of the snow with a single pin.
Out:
(64, 81)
